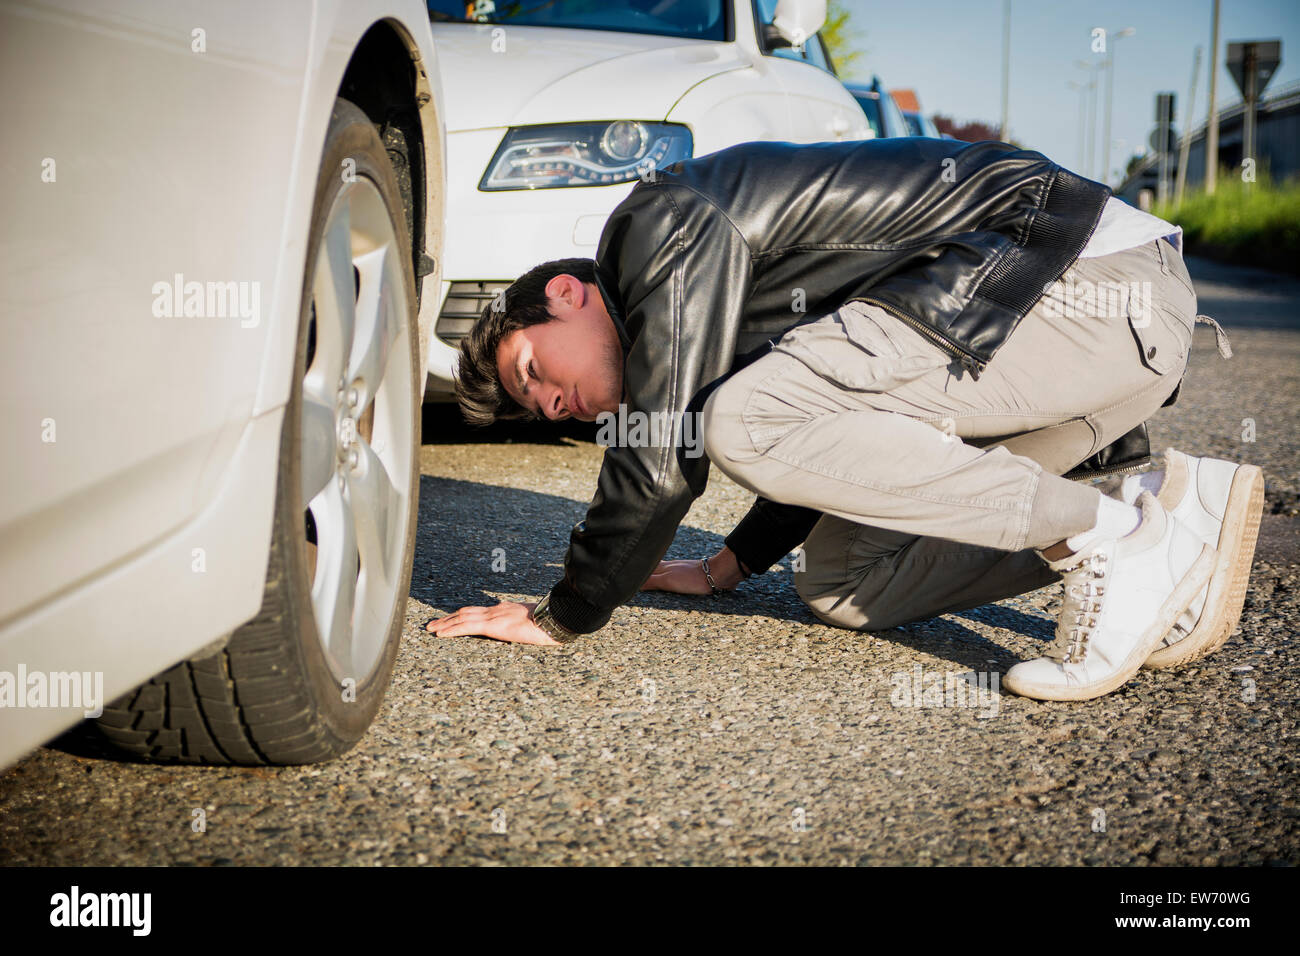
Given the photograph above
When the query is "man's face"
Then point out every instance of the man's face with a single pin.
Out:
(570, 367)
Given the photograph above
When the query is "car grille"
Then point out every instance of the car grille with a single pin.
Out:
(464, 304)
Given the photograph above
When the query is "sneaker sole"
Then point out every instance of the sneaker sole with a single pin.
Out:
(1196, 578)
(1236, 553)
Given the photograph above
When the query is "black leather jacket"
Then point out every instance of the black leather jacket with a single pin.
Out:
(702, 267)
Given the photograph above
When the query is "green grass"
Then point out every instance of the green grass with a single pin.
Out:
(1254, 223)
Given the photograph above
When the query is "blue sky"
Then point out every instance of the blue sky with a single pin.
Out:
(950, 52)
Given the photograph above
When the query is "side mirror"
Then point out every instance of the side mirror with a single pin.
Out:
(772, 39)
(797, 20)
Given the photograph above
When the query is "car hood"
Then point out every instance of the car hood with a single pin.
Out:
(554, 75)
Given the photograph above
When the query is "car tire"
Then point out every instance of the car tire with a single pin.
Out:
(285, 688)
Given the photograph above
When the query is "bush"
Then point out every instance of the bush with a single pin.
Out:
(1252, 223)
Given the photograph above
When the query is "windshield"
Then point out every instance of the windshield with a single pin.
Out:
(893, 115)
(696, 19)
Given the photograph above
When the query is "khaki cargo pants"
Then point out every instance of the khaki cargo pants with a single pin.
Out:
(935, 486)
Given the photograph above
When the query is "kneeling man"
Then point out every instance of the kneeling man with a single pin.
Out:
(927, 358)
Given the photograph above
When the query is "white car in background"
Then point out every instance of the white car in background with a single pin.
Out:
(222, 226)
(554, 110)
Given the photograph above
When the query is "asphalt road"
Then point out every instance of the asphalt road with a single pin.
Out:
(740, 729)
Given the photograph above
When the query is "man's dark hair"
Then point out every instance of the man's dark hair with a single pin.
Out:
(483, 400)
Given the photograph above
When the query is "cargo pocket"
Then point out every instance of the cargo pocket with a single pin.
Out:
(857, 350)
(1163, 338)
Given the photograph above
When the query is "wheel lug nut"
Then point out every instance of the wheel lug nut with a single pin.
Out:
(352, 458)
(353, 397)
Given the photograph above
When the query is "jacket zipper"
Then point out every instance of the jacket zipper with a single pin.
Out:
(1115, 471)
(968, 361)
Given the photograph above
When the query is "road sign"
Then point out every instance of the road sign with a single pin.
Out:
(1263, 55)
(1251, 64)
(1164, 139)
(1165, 108)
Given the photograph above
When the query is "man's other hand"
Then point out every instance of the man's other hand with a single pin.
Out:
(687, 577)
(506, 622)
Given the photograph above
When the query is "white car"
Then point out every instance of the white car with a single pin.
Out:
(221, 242)
(555, 109)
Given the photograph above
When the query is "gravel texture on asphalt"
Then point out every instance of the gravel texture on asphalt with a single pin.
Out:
(740, 729)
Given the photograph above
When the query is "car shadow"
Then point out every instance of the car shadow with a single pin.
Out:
(512, 541)
(443, 424)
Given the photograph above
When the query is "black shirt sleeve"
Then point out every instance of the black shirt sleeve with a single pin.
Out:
(769, 532)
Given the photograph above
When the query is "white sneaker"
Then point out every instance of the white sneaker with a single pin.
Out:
(1221, 502)
(1121, 596)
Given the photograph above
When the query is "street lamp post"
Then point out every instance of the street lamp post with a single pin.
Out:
(1110, 99)
(1090, 152)
(1005, 131)
(1212, 120)
(1083, 90)
(1181, 180)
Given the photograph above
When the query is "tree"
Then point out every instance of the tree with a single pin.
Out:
(973, 131)
(841, 39)
(1133, 162)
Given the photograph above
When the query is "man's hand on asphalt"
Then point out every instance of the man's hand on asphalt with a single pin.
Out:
(507, 621)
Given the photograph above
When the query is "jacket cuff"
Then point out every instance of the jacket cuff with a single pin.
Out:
(575, 613)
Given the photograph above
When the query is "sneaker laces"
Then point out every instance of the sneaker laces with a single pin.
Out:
(1080, 609)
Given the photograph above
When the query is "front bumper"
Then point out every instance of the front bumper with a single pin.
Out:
(462, 304)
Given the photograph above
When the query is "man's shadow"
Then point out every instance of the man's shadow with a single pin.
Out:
(478, 541)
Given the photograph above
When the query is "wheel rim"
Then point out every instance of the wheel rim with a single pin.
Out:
(357, 431)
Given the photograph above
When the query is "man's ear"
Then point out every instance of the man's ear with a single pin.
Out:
(568, 289)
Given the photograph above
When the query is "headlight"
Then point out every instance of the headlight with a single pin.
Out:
(584, 154)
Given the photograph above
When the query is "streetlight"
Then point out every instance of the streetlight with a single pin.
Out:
(1212, 119)
(1005, 131)
(1083, 89)
(1110, 99)
(1092, 69)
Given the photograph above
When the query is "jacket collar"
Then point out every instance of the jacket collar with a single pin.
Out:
(614, 306)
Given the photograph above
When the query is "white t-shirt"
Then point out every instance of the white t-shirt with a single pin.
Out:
(1123, 227)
